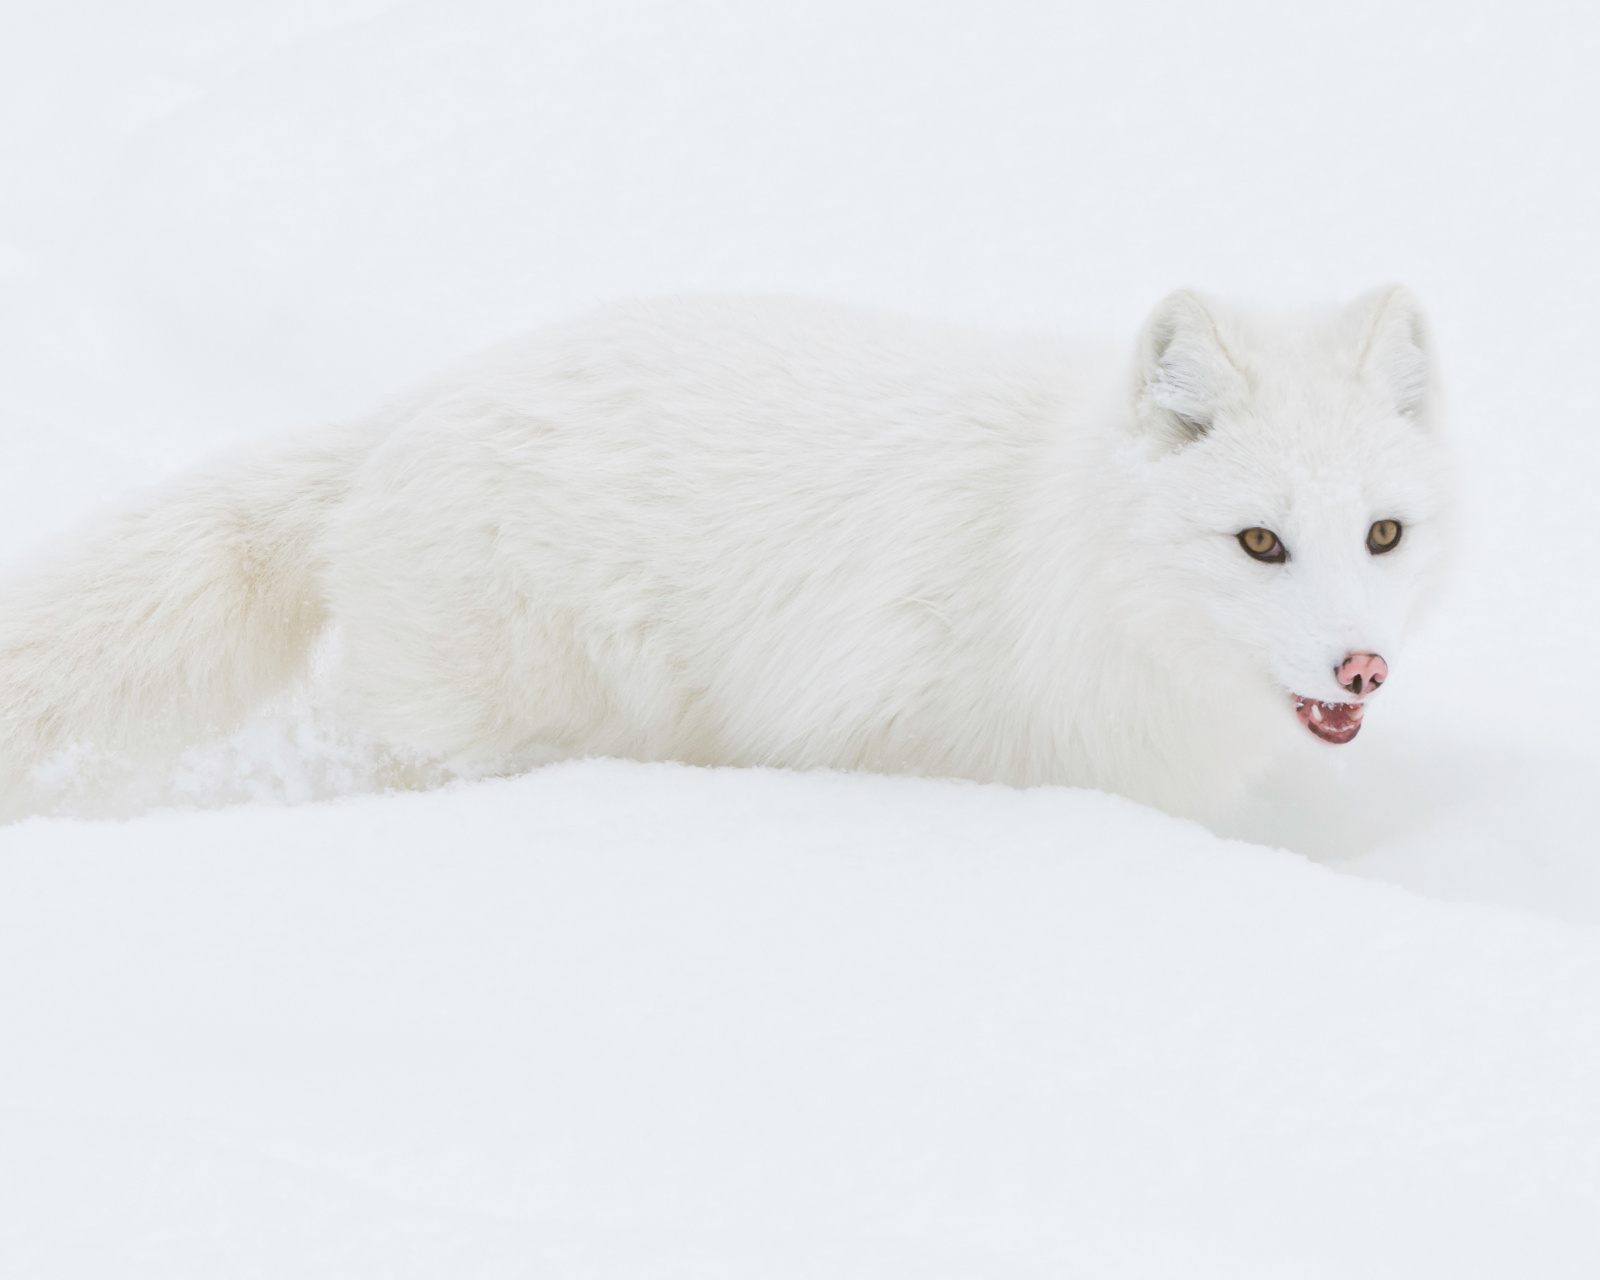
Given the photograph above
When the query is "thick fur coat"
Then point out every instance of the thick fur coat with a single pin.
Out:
(771, 532)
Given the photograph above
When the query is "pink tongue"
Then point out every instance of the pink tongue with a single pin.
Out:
(1330, 721)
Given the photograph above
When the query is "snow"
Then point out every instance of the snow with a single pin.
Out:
(612, 1020)
(653, 1020)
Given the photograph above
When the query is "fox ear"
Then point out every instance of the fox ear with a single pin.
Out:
(1398, 353)
(1183, 373)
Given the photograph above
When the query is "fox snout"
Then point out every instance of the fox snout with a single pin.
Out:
(1361, 673)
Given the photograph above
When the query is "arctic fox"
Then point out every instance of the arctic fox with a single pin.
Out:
(760, 531)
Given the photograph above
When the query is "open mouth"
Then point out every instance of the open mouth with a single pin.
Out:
(1335, 722)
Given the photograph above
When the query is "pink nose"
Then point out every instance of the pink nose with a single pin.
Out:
(1362, 673)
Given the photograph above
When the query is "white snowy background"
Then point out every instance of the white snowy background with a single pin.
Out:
(609, 1020)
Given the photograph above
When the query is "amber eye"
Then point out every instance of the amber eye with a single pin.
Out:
(1383, 536)
(1263, 544)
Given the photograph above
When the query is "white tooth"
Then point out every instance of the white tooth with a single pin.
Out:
(1316, 712)
(1355, 711)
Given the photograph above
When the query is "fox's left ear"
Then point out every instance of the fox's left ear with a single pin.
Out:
(1397, 352)
(1182, 372)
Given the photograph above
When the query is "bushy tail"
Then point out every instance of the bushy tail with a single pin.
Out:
(170, 621)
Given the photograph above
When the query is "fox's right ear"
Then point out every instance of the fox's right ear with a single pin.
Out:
(1183, 374)
(1398, 350)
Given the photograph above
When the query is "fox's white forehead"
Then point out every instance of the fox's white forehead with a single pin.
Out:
(1333, 410)
(1317, 370)
(1198, 356)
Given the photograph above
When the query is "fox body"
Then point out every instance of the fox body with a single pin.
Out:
(771, 532)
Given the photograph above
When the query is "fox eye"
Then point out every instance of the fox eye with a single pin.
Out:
(1263, 544)
(1383, 536)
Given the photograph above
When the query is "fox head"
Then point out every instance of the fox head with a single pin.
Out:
(1298, 499)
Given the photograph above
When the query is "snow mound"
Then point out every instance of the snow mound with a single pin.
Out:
(619, 1019)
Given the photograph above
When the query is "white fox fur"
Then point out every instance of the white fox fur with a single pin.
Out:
(772, 532)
